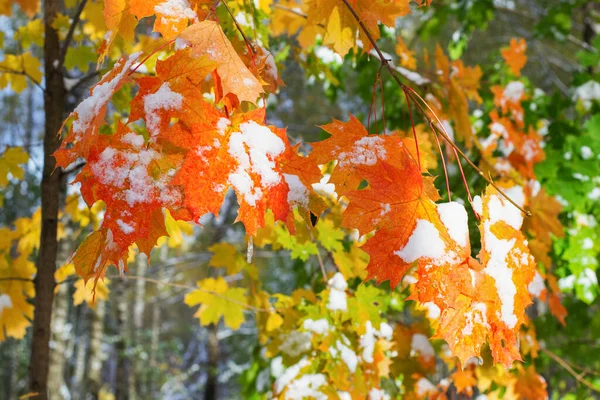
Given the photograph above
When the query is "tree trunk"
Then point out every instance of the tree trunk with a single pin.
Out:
(135, 378)
(210, 391)
(153, 375)
(59, 338)
(81, 337)
(121, 384)
(54, 104)
(95, 359)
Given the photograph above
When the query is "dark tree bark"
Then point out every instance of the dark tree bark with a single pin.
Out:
(54, 105)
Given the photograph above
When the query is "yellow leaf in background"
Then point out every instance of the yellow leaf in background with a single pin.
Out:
(94, 26)
(176, 230)
(31, 33)
(28, 231)
(274, 321)
(85, 292)
(218, 300)
(15, 66)
(227, 256)
(63, 273)
(352, 264)
(10, 163)
(340, 37)
(15, 311)
(265, 6)
(80, 57)
(329, 235)
(30, 7)
(61, 24)
(407, 57)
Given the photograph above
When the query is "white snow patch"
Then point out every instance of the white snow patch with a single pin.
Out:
(101, 94)
(424, 386)
(536, 287)
(263, 146)
(175, 9)
(513, 92)
(298, 194)
(319, 326)
(420, 345)
(284, 380)
(296, 343)
(378, 394)
(5, 302)
(455, 219)
(586, 152)
(366, 151)
(337, 294)
(425, 241)
(306, 387)
(125, 227)
(163, 99)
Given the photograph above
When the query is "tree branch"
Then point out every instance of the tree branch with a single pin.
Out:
(24, 73)
(565, 365)
(69, 37)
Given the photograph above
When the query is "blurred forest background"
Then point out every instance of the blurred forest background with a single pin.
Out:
(142, 340)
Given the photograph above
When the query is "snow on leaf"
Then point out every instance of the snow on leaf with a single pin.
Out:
(90, 113)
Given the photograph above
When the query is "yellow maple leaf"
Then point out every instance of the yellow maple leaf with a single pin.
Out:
(10, 163)
(340, 37)
(218, 300)
(15, 311)
(85, 292)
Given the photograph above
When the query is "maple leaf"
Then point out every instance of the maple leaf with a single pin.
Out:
(226, 256)
(464, 380)
(207, 39)
(407, 57)
(240, 152)
(356, 152)
(90, 113)
(530, 385)
(16, 311)
(514, 55)
(459, 84)
(95, 253)
(16, 69)
(90, 293)
(125, 174)
(30, 7)
(218, 300)
(508, 269)
(172, 17)
(119, 22)
(10, 163)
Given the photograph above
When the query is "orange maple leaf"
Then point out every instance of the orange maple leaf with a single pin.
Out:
(89, 115)
(515, 56)
(207, 39)
(508, 269)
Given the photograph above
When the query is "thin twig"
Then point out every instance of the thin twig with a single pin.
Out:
(69, 37)
(14, 72)
(16, 278)
(566, 366)
(188, 287)
(239, 28)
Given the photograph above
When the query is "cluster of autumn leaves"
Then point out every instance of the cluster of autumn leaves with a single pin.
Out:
(192, 147)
